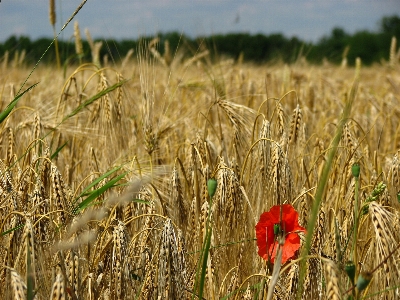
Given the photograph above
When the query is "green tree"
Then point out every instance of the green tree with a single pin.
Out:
(391, 25)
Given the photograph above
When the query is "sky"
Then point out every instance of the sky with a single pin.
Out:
(128, 19)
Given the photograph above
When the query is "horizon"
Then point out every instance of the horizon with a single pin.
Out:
(306, 20)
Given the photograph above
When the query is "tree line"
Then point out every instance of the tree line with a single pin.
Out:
(371, 47)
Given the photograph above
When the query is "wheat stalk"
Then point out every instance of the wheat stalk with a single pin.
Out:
(78, 39)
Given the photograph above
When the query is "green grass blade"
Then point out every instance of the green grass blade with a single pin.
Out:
(319, 193)
(94, 98)
(97, 181)
(12, 229)
(57, 151)
(206, 250)
(4, 114)
(30, 280)
(141, 201)
(96, 193)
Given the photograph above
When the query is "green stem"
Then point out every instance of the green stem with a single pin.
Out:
(356, 205)
(321, 189)
(56, 48)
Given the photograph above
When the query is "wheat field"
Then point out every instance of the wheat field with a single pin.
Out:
(104, 169)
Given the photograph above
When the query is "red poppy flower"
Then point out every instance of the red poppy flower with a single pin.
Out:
(271, 226)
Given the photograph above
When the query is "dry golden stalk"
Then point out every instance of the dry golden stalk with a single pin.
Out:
(295, 125)
(280, 177)
(313, 281)
(37, 131)
(386, 239)
(149, 282)
(393, 59)
(348, 140)
(167, 53)
(171, 267)
(239, 117)
(394, 175)
(106, 98)
(11, 146)
(127, 58)
(119, 261)
(78, 39)
(319, 232)
(265, 146)
(26, 247)
(96, 53)
(177, 202)
(151, 138)
(45, 172)
(118, 104)
(304, 206)
(291, 281)
(233, 284)
(247, 294)
(52, 12)
(58, 289)
(332, 281)
(89, 39)
(280, 119)
(73, 271)
(17, 284)
(195, 58)
(58, 199)
(202, 224)
(21, 57)
(194, 236)
(5, 61)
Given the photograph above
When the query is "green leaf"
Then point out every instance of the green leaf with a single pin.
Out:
(140, 201)
(86, 191)
(58, 150)
(4, 114)
(12, 229)
(96, 193)
(94, 98)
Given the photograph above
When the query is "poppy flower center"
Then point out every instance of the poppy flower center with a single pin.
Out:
(278, 229)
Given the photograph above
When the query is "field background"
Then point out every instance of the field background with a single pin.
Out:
(104, 170)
